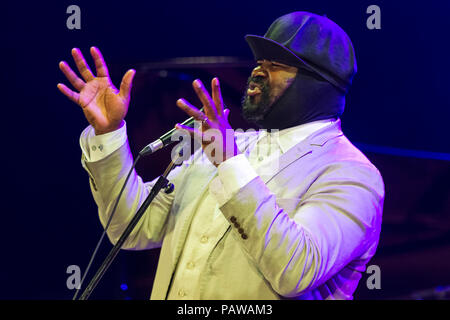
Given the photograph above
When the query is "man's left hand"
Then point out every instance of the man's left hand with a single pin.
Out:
(216, 134)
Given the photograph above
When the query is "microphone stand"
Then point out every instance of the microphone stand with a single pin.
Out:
(161, 183)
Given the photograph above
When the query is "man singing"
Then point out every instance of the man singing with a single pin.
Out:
(292, 214)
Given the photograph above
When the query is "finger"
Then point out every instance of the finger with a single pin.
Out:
(126, 84)
(71, 76)
(217, 96)
(100, 65)
(72, 95)
(82, 66)
(190, 110)
(226, 112)
(205, 98)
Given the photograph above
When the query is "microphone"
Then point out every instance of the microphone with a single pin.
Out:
(164, 140)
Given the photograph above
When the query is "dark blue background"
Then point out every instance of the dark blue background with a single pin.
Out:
(399, 99)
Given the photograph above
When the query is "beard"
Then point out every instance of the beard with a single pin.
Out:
(305, 99)
(253, 111)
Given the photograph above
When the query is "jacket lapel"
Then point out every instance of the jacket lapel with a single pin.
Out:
(319, 138)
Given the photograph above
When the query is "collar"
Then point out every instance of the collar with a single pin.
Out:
(315, 133)
(288, 138)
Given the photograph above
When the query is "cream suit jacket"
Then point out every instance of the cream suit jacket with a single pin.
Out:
(311, 225)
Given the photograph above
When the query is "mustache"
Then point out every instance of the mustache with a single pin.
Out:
(258, 80)
(261, 82)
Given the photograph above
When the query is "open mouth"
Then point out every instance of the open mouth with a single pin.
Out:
(253, 89)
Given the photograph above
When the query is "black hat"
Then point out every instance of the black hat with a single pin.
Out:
(304, 39)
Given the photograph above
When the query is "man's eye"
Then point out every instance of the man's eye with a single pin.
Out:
(273, 64)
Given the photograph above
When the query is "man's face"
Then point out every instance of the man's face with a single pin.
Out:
(267, 82)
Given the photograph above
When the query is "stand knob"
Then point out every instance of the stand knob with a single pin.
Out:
(169, 188)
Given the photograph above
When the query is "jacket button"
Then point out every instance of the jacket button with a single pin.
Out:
(240, 230)
(236, 225)
(244, 236)
(233, 219)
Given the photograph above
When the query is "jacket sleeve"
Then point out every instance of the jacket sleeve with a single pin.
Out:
(336, 221)
(106, 179)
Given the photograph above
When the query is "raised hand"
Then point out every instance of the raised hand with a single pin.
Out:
(216, 135)
(103, 105)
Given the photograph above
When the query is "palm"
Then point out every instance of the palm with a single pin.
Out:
(104, 106)
(101, 101)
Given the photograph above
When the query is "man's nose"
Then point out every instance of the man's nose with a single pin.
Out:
(259, 72)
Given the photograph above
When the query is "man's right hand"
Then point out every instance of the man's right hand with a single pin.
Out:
(103, 105)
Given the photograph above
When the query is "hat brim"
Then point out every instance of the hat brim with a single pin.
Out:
(264, 48)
